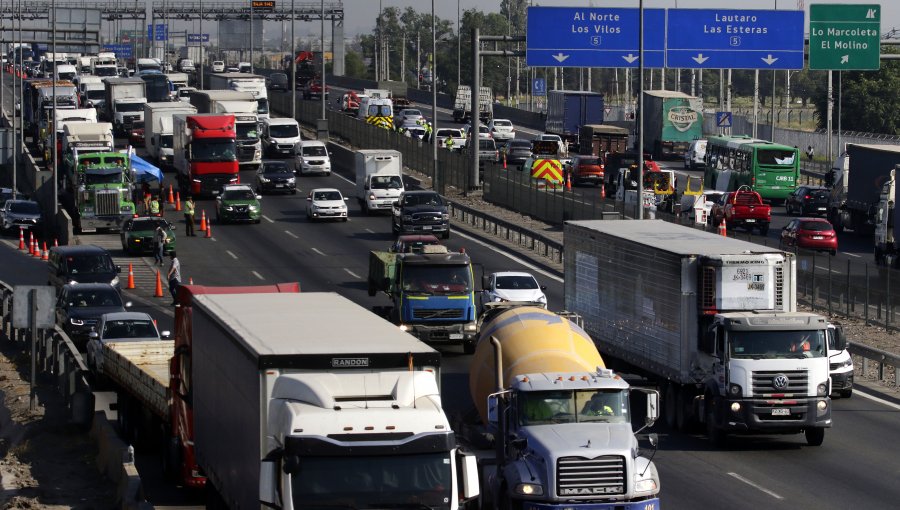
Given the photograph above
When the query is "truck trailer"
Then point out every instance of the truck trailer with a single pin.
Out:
(672, 120)
(711, 319)
(462, 105)
(568, 110)
(244, 82)
(158, 130)
(858, 177)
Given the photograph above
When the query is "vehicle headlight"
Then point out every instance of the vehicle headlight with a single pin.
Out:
(229, 208)
(263, 179)
(530, 489)
(125, 208)
(445, 216)
(88, 209)
(735, 407)
(646, 485)
(406, 217)
(471, 327)
(254, 207)
(291, 180)
(371, 196)
(72, 282)
(821, 405)
(734, 390)
(822, 389)
(498, 299)
(76, 322)
(115, 281)
(404, 327)
(847, 363)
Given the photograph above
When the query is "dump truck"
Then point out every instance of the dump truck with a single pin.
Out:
(542, 389)
(379, 179)
(432, 294)
(601, 140)
(568, 110)
(102, 189)
(462, 105)
(858, 177)
(672, 120)
(711, 319)
(158, 130)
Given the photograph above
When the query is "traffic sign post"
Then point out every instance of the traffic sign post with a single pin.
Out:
(594, 37)
(121, 50)
(723, 119)
(539, 87)
(197, 39)
(844, 37)
(734, 39)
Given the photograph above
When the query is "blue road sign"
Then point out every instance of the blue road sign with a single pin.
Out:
(195, 38)
(121, 50)
(593, 37)
(161, 33)
(723, 119)
(734, 39)
(539, 87)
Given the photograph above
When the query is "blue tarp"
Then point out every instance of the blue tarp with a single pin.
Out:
(144, 171)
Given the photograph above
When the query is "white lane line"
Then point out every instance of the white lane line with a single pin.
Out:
(288, 232)
(351, 273)
(510, 257)
(852, 255)
(270, 220)
(257, 275)
(319, 252)
(755, 485)
(342, 177)
(213, 239)
(369, 230)
(232, 254)
(873, 398)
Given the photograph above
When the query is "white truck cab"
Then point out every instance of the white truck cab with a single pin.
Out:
(840, 363)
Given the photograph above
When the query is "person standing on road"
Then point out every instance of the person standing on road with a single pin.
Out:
(189, 217)
(154, 206)
(159, 244)
(174, 275)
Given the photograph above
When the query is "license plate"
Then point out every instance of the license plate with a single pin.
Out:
(215, 192)
(456, 336)
(279, 185)
(781, 412)
(818, 237)
(822, 208)
(750, 221)
(426, 227)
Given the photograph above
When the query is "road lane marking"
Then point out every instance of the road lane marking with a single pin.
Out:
(852, 255)
(510, 257)
(257, 275)
(288, 232)
(755, 485)
(351, 273)
(232, 254)
(270, 220)
(319, 252)
(873, 398)
(369, 230)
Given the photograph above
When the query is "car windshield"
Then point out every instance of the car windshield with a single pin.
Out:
(239, 194)
(284, 131)
(815, 226)
(777, 344)
(549, 407)
(486, 145)
(588, 161)
(90, 264)
(387, 182)
(95, 297)
(275, 168)
(144, 225)
(247, 131)
(411, 112)
(211, 150)
(104, 71)
(25, 207)
(130, 107)
(327, 195)
(436, 280)
(315, 150)
(517, 282)
(135, 328)
(775, 156)
(278, 78)
(520, 144)
(422, 199)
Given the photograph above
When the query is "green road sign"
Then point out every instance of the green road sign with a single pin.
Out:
(844, 37)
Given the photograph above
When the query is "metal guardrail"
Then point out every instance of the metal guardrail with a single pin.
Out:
(875, 363)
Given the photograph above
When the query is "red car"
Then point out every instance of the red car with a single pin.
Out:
(136, 135)
(586, 169)
(810, 233)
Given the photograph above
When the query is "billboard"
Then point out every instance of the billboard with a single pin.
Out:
(238, 37)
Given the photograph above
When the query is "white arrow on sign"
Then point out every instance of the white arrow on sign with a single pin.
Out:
(770, 59)
(845, 59)
(630, 58)
(560, 57)
(700, 58)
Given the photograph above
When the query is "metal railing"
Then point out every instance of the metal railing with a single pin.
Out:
(876, 364)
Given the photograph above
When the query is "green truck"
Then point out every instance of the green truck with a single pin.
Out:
(672, 120)
(432, 294)
(102, 191)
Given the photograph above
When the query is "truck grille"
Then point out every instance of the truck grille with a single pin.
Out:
(764, 382)
(106, 203)
(437, 313)
(581, 477)
(427, 217)
(246, 153)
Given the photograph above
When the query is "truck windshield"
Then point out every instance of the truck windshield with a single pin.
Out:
(248, 131)
(262, 106)
(105, 71)
(157, 87)
(95, 94)
(436, 280)
(387, 182)
(388, 481)
(165, 141)
(315, 150)
(213, 150)
(130, 107)
(548, 407)
(91, 179)
(283, 131)
(777, 344)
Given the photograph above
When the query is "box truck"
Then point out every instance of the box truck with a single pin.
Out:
(158, 130)
(379, 179)
(568, 110)
(672, 120)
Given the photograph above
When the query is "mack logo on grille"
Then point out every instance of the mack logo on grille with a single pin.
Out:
(349, 362)
(587, 491)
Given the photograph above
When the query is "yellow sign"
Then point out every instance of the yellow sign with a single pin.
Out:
(547, 169)
(382, 122)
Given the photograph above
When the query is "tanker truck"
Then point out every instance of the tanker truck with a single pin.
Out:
(562, 421)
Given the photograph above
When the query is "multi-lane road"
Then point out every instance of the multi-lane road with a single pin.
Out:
(854, 468)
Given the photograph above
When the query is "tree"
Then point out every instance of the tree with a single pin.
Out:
(869, 100)
(354, 65)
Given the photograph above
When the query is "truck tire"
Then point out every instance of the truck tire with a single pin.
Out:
(446, 234)
(815, 437)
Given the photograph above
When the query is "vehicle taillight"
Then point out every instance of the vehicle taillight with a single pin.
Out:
(807, 197)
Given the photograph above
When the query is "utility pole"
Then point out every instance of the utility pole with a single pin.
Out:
(640, 119)
(293, 64)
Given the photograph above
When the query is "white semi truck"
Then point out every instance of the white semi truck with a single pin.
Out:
(125, 98)
(244, 82)
(712, 319)
(243, 106)
(158, 134)
(379, 179)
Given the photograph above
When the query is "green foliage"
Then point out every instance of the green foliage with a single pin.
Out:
(869, 100)
(354, 65)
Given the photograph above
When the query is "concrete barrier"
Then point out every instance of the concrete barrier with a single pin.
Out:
(116, 462)
(64, 228)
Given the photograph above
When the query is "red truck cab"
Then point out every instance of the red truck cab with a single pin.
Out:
(180, 458)
(742, 208)
(205, 152)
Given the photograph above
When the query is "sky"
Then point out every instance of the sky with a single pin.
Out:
(359, 15)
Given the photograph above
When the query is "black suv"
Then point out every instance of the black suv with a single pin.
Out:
(80, 306)
(806, 200)
(82, 264)
(421, 212)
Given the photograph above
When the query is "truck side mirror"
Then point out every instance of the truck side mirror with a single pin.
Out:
(708, 343)
(485, 282)
(493, 409)
(268, 482)
(652, 408)
(467, 467)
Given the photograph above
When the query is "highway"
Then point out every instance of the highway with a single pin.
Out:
(855, 468)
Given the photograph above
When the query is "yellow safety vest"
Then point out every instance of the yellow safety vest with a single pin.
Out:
(154, 207)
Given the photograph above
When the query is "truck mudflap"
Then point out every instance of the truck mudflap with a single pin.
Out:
(450, 334)
(774, 415)
(644, 504)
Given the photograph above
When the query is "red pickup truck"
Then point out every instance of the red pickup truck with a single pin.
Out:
(313, 89)
(742, 208)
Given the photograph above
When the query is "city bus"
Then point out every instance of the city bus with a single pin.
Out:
(770, 169)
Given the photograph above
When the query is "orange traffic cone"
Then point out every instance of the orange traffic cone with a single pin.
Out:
(568, 181)
(171, 199)
(602, 191)
(190, 280)
(36, 250)
(22, 239)
(30, 243)
(55, 242)
(208, 230)
(722, 230)
(158, 292)
(504, 161)
(45, 255)
(203, 221)
(177, 201)
(130, 277)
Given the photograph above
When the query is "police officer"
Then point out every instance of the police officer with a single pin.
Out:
(154, 206)
(448, 143)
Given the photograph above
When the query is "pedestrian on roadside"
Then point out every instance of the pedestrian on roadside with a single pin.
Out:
(809, 152)
(189, 217)
(174, 275)
(159, 244)
(146, 198)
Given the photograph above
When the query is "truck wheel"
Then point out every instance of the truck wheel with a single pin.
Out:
(171, 458)
(815, 437)
(446, 234)
(715, 435)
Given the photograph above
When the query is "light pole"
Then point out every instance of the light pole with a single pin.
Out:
(251, 39)
(322, 94)
(434, 124)
(293, 65)
(459, 48)
(640, 119)
(53, 124)
(200, 64)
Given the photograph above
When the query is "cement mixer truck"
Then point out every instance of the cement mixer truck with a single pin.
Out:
(561, 420)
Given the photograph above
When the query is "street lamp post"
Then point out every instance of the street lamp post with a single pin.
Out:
(293, 65)
(322, 94)
(640, 119)
(434, 120)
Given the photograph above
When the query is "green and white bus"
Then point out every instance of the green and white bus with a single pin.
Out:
(770, 169)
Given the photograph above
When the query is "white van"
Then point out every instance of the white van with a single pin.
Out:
(695, 155)
(311, 157)
(840, 362)
(279, 136)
